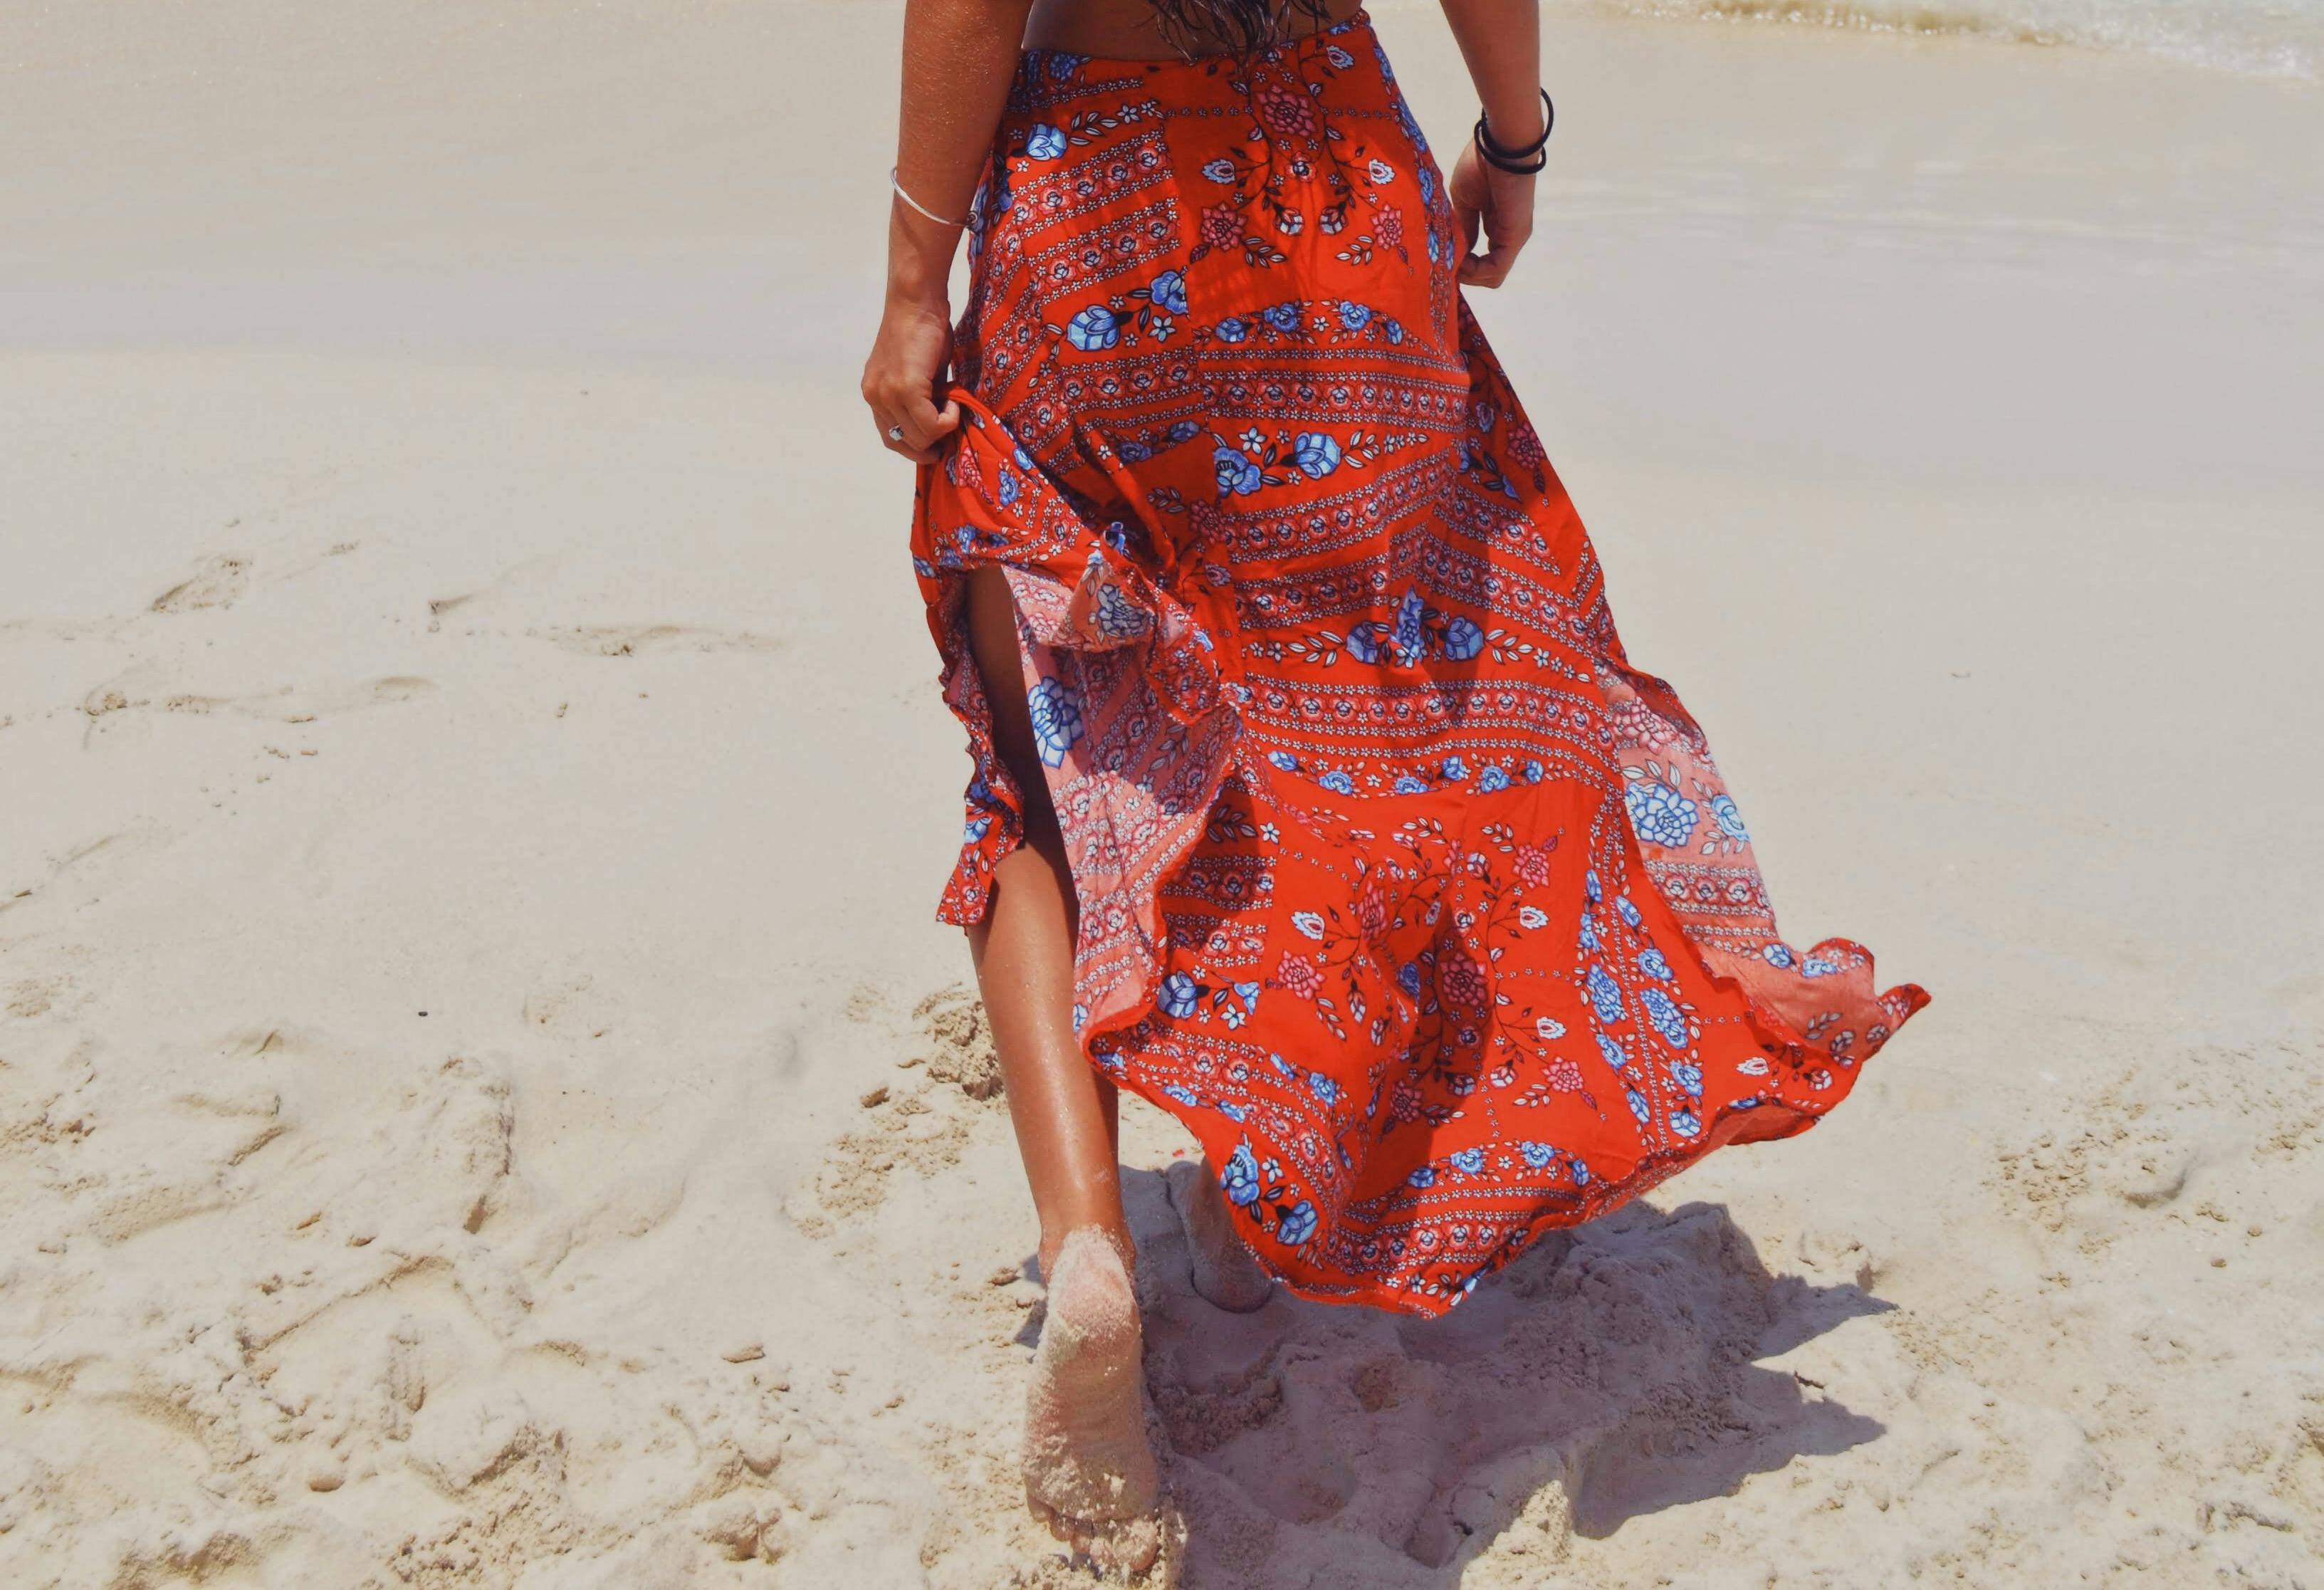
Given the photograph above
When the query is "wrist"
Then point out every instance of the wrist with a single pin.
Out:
(1515, 123)
(1524, 159)
(919, 276)
(919, 297)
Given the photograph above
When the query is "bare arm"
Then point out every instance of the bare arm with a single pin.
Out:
(959, 56)
(1501, 41)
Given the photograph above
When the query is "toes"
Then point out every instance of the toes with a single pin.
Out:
(1127, 1547)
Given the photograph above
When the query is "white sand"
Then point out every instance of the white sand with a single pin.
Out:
(443, 569)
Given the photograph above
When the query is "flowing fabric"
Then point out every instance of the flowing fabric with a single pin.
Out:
(1425, 912)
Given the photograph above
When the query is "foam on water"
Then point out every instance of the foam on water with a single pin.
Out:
(2264, 38)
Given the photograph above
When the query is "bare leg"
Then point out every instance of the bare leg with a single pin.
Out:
(1068, 1117)
(1089, 1470)
(1225, 1274)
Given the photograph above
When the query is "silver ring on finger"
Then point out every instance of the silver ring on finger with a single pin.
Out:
(896, 433)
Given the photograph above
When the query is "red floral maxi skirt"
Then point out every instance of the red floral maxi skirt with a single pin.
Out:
(1425, 912)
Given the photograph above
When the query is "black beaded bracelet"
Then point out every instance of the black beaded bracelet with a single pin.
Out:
(1524, 162)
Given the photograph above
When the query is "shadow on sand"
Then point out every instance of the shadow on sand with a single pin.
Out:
(1613, 1370)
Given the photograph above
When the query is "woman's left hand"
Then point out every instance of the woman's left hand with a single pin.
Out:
(1497, 203)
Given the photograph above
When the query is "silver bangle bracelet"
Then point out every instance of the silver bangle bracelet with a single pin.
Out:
(916, 204)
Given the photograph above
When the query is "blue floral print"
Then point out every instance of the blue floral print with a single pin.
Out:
(1353, 316)
(1613, 1053)
(1411, 127)
(1660, 813)
(1468, 1161)
(1408, 615)
(1463, 639)
(1119, 618)
(1729, 820)
(1045, 142)
(1667, 1021)
(1238, 472)
(1094, 329)
(1316, 454)
(1653, 963)
(1057, 719)
(1493, 778)
(1605, 995)
(1179, 996)
(1168, 292)
(1232, 330)
(1297, 1225)
(1240, 1177)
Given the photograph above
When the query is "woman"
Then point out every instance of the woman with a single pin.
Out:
(1315, 798)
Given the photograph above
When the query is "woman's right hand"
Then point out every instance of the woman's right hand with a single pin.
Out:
(910, 358)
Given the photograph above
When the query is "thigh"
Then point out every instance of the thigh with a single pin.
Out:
(1000, 664)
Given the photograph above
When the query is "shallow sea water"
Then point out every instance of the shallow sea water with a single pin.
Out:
(2260, 38)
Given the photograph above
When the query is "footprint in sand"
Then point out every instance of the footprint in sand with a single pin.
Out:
(33, 997)
(1595, 1379)
(217, 582)
(573, 1007)
(920, 1125)
(960, 1041)
(403, 1380)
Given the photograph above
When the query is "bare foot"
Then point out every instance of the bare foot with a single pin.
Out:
(1225, 1274)
(1089, 1469)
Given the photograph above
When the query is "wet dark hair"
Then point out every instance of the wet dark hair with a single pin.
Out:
(1240, 27)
